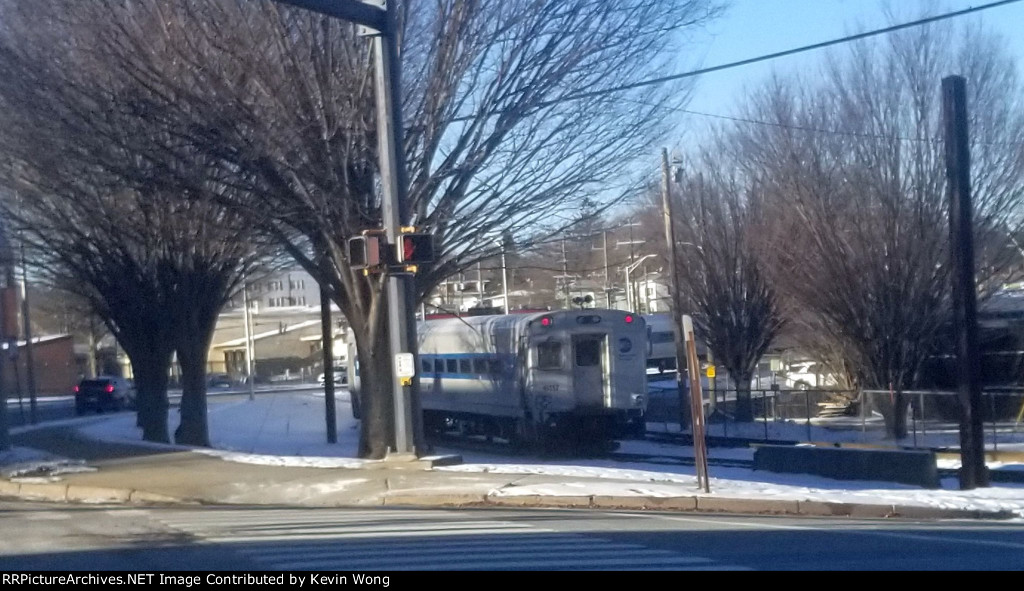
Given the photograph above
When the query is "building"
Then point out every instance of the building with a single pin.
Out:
(285, 333)
(291, 288)
(55, 370)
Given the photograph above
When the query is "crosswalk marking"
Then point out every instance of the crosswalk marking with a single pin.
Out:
(423, 540)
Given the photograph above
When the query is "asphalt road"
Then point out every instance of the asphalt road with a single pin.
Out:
(55, 408)
(378, 539)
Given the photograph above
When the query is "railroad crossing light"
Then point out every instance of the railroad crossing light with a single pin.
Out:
(416, 248)
(364, 252)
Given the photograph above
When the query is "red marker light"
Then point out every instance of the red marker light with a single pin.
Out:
(629, 318)
(110, 388)
(76, 389)
(545, 321)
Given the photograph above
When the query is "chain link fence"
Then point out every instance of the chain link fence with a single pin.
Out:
(847, 416)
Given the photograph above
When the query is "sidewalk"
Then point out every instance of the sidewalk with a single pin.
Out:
(271, 451)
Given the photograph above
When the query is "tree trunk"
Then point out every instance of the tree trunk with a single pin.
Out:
(149, 368)
(193, 428)
(377, 407)
(744, 404)
(193, 353)
(895, 413)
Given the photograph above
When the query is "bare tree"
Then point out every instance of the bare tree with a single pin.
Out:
(503, 124)
(721, 269)
(853, 172)
(104, 210)
(61, 311)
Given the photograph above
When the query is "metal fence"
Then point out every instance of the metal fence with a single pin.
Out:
(831, 415)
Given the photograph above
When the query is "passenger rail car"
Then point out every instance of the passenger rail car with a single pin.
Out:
(572, 377)
(661, 337)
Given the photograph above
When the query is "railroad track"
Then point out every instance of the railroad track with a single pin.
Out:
(499, 447)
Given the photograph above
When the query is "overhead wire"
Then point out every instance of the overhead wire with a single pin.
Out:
(752, 60)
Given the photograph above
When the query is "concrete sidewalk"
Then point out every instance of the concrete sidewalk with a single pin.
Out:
(138, 474)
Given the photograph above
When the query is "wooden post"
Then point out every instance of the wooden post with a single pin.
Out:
(700, 451)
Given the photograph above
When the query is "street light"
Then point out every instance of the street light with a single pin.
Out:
(630, 269)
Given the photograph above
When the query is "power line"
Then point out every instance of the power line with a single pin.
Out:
(818, 130)
(754, 60)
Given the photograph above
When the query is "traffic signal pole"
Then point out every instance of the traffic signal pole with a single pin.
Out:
(401, 294)
(379, 19)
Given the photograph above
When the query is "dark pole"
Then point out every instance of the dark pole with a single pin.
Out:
(7, 325)
(973, 472)
(30, 364)
(327, 332)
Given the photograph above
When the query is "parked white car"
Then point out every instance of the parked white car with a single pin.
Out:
(809, 374)
(340, 377)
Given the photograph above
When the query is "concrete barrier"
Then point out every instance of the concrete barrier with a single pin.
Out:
(916, 467)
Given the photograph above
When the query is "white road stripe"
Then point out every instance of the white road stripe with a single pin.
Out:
(373, 541)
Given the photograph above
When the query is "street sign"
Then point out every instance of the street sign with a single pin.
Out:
(711, 371)
(405, 365)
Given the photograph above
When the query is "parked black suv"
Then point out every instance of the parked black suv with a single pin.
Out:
(104, 393)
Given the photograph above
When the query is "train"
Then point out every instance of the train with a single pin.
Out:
(661, 352)
(542, 380)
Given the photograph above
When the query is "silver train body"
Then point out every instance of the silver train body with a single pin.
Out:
(573, 376)
(661, 354)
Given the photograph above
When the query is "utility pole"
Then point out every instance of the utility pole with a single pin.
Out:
(479, 285)
(565, 276)
(685, 417)
(30, 369)
(7, 323)
(607, 284)
(631, 295)
(504, 279)
(973, 472)
(462, 292)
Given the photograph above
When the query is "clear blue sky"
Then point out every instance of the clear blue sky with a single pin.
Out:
(752, 28)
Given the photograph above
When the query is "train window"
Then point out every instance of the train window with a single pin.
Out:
(480, 366)
(549, 355)
(465, 366)
(495, 366)
(452, 366)
(426, 365)
(588, 352)
(662, 337)
(439, 366)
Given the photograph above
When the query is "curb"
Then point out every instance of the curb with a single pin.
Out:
(690, 504)
(71, 493)
(75, 493)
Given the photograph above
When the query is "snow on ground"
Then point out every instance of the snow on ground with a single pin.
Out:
(288, 429)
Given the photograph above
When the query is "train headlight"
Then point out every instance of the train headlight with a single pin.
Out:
(638, 399)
